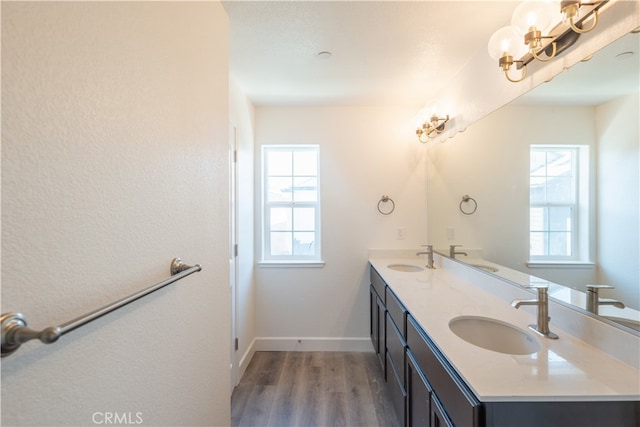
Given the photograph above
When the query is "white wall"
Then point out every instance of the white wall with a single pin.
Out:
(490, 162)
(618, 199)
(365, 152)
(242, 114)
(115, 160)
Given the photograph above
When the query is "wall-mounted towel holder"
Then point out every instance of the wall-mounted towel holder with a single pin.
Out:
(14, 326)
(383, 201)
(468, 210)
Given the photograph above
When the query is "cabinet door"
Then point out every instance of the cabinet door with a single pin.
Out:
(418, 395)
(381, 336)
(395, 349)
(439, 417)
(374, 322)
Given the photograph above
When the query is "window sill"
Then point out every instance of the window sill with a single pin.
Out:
(560, 264)
(291, 264)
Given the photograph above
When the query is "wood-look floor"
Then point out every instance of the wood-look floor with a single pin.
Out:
(312, 389)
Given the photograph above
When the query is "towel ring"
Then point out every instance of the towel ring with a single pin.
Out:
(466, 199)
(385, 199)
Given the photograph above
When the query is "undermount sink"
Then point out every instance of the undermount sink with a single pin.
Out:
(407, 268)
(485, 267)
(494, 335)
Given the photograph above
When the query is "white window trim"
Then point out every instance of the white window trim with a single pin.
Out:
(289, 261)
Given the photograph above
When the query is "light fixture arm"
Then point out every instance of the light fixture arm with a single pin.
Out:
(549, 57)
(523, 75)
(575, 28)
(506, 62)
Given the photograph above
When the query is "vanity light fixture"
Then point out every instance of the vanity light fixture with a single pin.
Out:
(432, 128)
(530, 22)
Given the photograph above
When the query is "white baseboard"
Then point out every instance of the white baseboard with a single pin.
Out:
(312, 344)
(246, 358)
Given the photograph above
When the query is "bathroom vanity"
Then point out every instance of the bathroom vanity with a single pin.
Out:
(437, 378)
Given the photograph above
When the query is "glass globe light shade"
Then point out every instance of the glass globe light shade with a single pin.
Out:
(532, 14)
(506, 39)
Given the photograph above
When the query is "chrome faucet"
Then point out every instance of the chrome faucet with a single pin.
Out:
(453, 252)
(429, 253)
(594, 301)
(542, 327)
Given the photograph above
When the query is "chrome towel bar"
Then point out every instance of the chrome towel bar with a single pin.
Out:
(14, 326)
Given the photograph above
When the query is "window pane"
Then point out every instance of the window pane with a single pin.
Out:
(281, 243)
(280, 219)
(537, 193)
(560, 219)
(279, 162)
(538, 163)
(559, 189)
(304, 243)
(279, 190)
(559, 163)
(559, 244)
(305, 189)
(304, 219)
(537, 243)
(305, 163)
(537, 219)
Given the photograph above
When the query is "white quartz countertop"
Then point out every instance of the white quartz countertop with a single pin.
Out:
(565, 369)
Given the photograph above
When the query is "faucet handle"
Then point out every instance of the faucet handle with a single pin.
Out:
(542, 289)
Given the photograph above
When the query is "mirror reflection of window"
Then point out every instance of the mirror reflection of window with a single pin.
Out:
(555, 184)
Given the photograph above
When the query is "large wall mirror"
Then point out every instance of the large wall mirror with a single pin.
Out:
(593, 106)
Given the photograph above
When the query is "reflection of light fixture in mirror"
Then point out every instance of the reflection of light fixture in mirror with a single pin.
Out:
(530, 19)
(432, 128)
(571, 11)
(504, 45)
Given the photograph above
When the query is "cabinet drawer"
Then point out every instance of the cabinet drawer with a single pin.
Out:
(398, 394)
(460, 404)
(397, 312)
(378, 284)
(395, 350)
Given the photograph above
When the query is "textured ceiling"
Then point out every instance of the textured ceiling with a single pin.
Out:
(383, 52)
(394, 52)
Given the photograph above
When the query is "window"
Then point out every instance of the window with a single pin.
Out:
(558, 228)
(291, 203)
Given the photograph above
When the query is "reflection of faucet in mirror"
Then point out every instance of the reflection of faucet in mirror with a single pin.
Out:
(594, 301)
(429, 254)
(542, 303)
(453, 252)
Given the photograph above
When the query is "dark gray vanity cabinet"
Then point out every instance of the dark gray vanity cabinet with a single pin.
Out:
(413, 397)
(450, 400)
(427, 392)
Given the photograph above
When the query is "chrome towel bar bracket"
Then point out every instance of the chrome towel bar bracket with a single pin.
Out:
(14, 326)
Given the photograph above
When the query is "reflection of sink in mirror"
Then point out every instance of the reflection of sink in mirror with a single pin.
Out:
(494, 335)
(407, 268)
(485, 267)
(634, 324)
